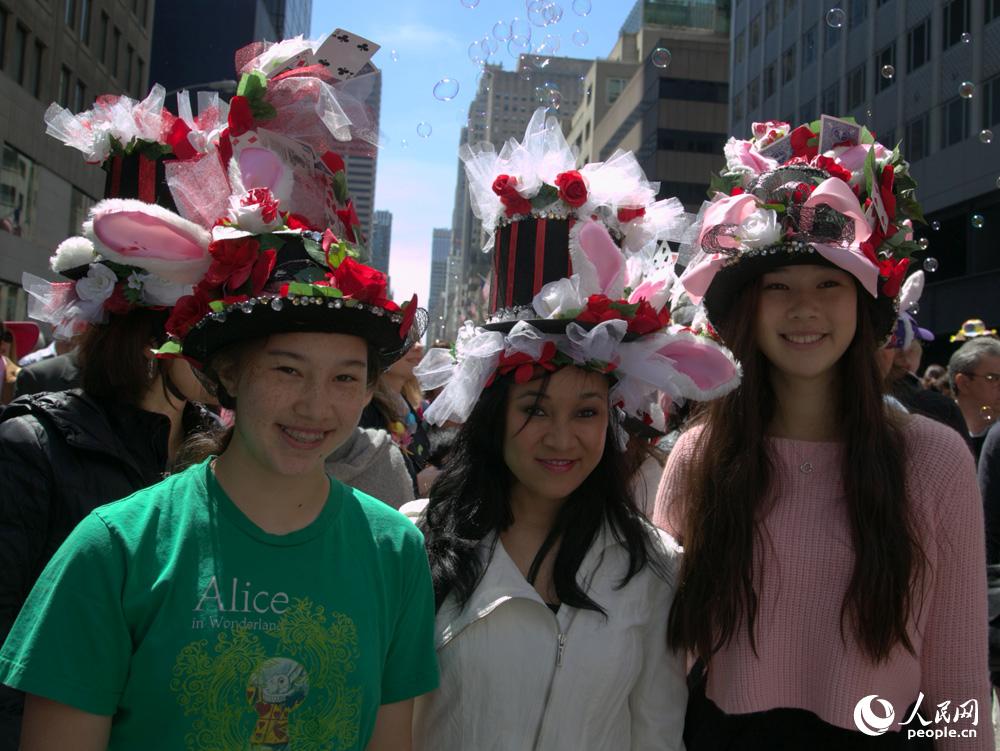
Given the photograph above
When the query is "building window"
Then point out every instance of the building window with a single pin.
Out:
(991, 10)
(694, 91)
(17, 192)
(139, 74)
(129, 55)
(79, 96)
(691, 141)
(991, 102)
(690, 194)
(886, 57)
(738, 106)
(769, 85)
(770, 15)
(807, 112)
(615, 87)
(20, 53)
(809, 46)
(36, 70)
(64, 76)
(956, 22)
(755, 31)
(857, 12)
(3, 37)
(144, 4)
(740, 47)
(788, 64)
(856, 87)
(917, 138)
(831, 99)
(116, 42)
(831, 36)
(102, 43)
(954, 122)
(84, 28)
(918, 45)
(753, 95)
(70, 17)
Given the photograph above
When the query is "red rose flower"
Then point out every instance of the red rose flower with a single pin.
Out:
(572, 188)
(833, 169)
(232, 262)
(117, 303)
(225, 149)
(333, 161)
(646, 320)
(178, 140)
(627, 215)
(524, 366)
(350, 219)
(267, 202)
(893, 272)
(360, 282)
(186, 313)
(799, 139)
(737, 191)
(885, 190)
(240, 116)
(297, 221)
(598, 310)
(261, 271)
(514, 202)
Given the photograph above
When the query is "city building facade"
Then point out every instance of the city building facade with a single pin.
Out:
(925, 73)
(440, 251)
(381, 240)
(65, 51)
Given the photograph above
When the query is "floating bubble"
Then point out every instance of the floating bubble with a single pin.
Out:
(936, 225)
(966, 89)
(986, 412)
(888, 71)
(555, 99)
(661, 57)
(580, 38)
(403, 143)
(536, 13)
(470, 4)
(986, 135)
(446, 89)
(476, 52)
(548, 46)
(924, 243)
(517, 46)
(835, 18)
(489, 43)
(520, 27)
(501, 31)
(424, 130)
(977, 221)
(394, 55)
(582, 7)
(552, 13)
(966, 37)
(930, 265)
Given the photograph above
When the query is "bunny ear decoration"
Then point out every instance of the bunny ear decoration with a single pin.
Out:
(149, 237)
(256, 167)
(704, 370)
(596, 258)
(913, 288)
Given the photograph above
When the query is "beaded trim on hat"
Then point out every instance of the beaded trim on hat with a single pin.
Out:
(278, 302)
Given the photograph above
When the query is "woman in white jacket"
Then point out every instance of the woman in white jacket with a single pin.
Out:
(552, 590)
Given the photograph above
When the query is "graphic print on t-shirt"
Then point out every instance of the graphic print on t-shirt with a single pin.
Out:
(272, 676)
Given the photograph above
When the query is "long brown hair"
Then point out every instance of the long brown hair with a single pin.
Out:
(112, 356)
(727, 486)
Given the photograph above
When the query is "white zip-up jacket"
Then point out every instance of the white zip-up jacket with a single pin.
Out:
(517, 677)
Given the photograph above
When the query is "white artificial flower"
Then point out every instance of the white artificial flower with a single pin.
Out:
(761, 229)
(135, 280)
(97, 285)
(250, 218)
(158, 291)
(71, 253)
(559, 298)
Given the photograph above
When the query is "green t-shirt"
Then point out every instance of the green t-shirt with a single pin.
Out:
(196, 629)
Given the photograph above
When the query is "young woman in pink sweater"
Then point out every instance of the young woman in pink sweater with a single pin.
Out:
(833, 582)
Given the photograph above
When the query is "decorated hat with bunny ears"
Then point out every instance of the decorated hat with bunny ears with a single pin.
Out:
(822, 193)
(582, 276)
(907, 330)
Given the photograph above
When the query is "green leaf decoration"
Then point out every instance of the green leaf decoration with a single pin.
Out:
(270, 241)
(310, 274)
(328, 291)
(169, 347)
(870, 185)
(545, 196)
(340, 186)
(723, 183)
(132, 294)
(625, 308)
(263, 110)
(252, 85)
(301, 289)
(315, 250)
(121, 271)
(350, 302)
(217, 306)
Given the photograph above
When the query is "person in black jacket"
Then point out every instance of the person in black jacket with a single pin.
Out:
(63, 454)
(51, 374)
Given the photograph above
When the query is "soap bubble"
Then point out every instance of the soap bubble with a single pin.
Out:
(518, 46)
(394, 55)
(977, 221)
(402, 143)
(835, 18)
(582, 7)
(661, 57)
(519, 27)
(424, 130)
(966, 37)
(935, 225)
(888, 71)
(986, 412)
(548, 46)
(924, 243)
(552, 13)
(469, 3)
(476, 52)
(446, 89)
(501, 31)
(580, 38)
(966, 89)
(930, 265)
(986, 135)
(536, 13)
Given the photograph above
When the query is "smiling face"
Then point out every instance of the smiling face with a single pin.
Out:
(299, 396)
(806, 319)
(553, 452)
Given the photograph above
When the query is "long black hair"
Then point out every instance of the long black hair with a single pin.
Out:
(471, 498)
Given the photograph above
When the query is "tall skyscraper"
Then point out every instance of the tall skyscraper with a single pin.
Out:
(381, 240)
(361, 167)
(901, 69)
(440, 250)
(67, 52)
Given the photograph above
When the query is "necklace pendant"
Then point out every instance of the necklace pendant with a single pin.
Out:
(805, 468)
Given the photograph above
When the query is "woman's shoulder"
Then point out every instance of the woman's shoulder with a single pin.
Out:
(388, 526)
(932, 445)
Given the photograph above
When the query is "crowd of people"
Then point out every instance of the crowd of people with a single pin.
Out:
(686, 487)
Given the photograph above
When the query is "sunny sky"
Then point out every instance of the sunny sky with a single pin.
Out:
(416, 179)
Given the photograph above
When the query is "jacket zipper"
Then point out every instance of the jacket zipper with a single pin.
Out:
(560, 648)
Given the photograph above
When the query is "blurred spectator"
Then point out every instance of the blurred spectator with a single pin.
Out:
(974, 375)
(933, 375)
(903, 384)
(57, 373)
(371, 462)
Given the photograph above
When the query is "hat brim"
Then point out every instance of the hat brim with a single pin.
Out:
(25, 336)
(731, 279)
(256, 321)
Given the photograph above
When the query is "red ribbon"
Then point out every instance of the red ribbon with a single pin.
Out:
(116, 176)
(536, 284)
(511, 260)
(147, 179)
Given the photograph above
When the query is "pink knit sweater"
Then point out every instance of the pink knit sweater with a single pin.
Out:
(801, 660)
